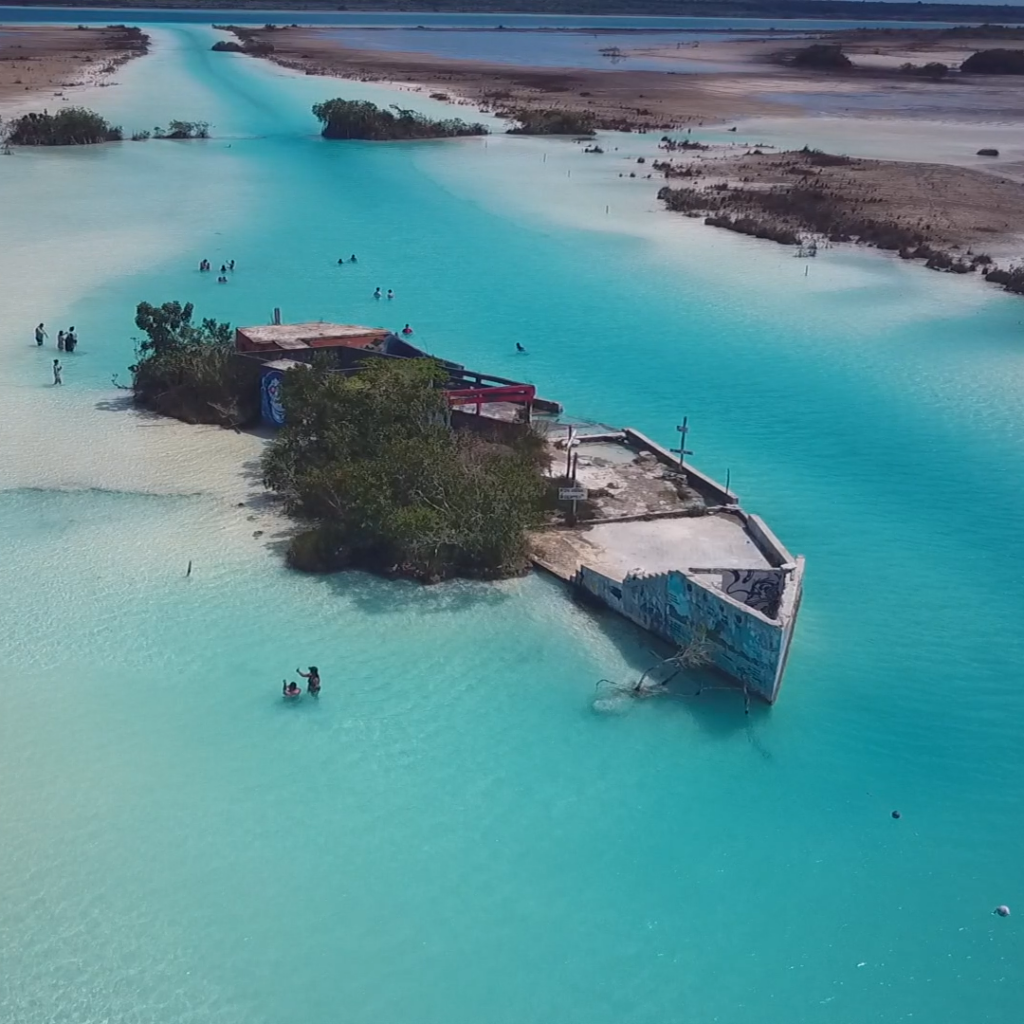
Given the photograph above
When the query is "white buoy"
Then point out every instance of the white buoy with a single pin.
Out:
(1002, 910)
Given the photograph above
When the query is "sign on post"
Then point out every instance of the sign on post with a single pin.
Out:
(572, 494)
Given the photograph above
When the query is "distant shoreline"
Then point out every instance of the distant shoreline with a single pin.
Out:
(762, 10)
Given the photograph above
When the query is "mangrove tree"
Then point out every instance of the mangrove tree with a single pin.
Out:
(189, 371)
(372, 462)
(360, 119)
(70, 126)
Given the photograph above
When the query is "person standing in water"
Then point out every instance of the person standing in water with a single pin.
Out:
(57, 371)
(60, 341)
(376, 295)
(352, 258)
(391, 294)
(40, 335)
(70, 340)
(313, 675)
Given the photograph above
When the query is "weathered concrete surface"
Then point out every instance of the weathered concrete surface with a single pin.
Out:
(720, 580)
(659, 545)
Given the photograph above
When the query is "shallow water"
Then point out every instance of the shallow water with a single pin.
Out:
(452, 833)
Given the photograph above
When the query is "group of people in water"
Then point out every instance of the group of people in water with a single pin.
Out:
(204, 265)
(291, 689)
(67, 341)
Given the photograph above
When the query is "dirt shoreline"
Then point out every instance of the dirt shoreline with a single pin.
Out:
(38, 61)
(954, 219)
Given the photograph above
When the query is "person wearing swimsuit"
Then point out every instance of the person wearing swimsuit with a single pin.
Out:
(313, 675)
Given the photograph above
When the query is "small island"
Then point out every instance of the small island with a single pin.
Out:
(360, 119)
(70, 126)
(373, 463)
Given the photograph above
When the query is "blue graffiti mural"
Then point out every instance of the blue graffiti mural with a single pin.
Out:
(270, 398)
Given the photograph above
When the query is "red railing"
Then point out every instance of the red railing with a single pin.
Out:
(520, 394)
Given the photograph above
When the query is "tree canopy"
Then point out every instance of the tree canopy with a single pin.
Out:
(550, 122)
(372, 460)
(360, 119)
(187, 370)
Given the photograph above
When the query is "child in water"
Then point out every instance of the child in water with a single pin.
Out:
(289, 689)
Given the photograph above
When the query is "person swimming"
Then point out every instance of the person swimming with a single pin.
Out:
(391, 294)
(313, 675)
(407, 329)
(290, 689)
(376, 293)
(519, 348)
(352, 258)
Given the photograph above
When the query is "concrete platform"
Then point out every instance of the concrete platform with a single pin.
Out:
(653, 546)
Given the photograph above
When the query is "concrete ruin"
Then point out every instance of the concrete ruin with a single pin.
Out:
(673, 551)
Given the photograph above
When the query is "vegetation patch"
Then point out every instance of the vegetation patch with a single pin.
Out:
(189, 371)
(359, 119)
(994, 62)
(821, 57)
(550, 122)
(183, 130)
(71, 126)
(934, 70)
(371, 461)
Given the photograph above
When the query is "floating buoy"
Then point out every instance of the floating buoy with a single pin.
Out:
(1002, 910)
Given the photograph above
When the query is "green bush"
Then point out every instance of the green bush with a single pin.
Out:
(190, 372)
(994, 62)
(550, 122)
(371, 459)
(358, 119)
(71, 126)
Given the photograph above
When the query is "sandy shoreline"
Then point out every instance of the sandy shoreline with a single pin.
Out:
(38, 60)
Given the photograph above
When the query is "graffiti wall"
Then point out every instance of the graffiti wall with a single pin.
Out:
(271, 409)
(678, 607)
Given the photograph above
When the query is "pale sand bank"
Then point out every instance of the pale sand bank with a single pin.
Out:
(40, 62)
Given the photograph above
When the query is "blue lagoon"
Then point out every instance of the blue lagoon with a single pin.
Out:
(453, 834)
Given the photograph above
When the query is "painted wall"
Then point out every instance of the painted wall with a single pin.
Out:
(746, 645)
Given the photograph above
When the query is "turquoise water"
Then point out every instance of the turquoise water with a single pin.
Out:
(452, 834)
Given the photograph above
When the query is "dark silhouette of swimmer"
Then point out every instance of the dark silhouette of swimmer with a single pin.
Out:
(376, 294)
(341, 260)
(231, 264)
(352, 258)
(289, 689)
(519, 348)
(407, 329)
(223, 268)
(313, 675)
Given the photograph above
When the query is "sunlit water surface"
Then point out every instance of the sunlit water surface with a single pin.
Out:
(452, 833)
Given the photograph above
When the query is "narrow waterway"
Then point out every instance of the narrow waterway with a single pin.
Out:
(452, 834)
